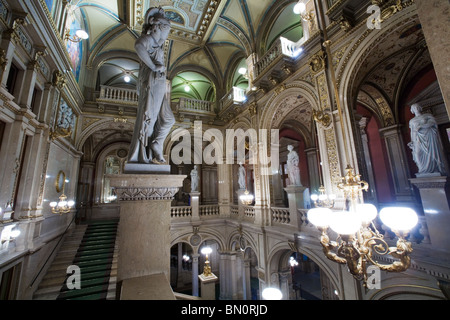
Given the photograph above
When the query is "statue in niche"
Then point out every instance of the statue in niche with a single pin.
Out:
(292, 166)
(241, 177)
(154, 116)
(194, 179)
(425, 143)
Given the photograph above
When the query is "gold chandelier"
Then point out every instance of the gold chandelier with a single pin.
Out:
(358, 239)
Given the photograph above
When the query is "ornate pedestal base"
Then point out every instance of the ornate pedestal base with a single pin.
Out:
(144, 227)
(195, 204)
(434, 195)
(208, 286)
(298, 198)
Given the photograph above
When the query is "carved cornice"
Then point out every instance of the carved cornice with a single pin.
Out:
(151, 193)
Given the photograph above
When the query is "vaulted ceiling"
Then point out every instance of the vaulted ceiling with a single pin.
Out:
(211, 38)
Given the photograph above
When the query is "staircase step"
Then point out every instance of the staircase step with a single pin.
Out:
(80, 293)
(93, 248)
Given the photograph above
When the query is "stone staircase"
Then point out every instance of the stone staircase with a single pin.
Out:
(93, 248)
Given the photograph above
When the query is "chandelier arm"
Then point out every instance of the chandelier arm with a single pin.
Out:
(352, 256)
(401, 252)
(328, 247)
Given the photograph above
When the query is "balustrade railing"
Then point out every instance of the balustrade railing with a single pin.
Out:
(282, 46)
(195, 105)
(234, 211)
(181, 212)
(280, 215)
(209, 210)
(249, 213)
(118, 95)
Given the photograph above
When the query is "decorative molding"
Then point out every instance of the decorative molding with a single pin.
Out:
(151, 193)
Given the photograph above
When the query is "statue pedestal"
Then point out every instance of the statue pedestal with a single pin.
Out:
(434, 193)
(195, 204)
(298, 198)
(208, 286)
(144, 227)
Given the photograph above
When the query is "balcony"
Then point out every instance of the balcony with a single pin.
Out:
(114, 95)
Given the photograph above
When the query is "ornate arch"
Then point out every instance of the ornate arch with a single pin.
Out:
(97, 124)
(357, 53)
(295, 89)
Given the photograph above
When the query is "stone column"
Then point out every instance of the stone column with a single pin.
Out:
(224, 188)
(180, 264)
(372, 193)
(7, 49)
(247, 290)
(434, 19)
(434, 193)
(395, 148)
(313, 168)
(10, 155)
(240, 204)
(298, 199)
(29, 81)
(144, 228)
(195, 274)
(30, 179)
(208, 285)
(195, 205)
(284, 284)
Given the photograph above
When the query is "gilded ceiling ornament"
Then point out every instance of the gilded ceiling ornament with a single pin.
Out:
(345, 24)
(3, 60)
(322, 117)
(317, 62)
(59, 79)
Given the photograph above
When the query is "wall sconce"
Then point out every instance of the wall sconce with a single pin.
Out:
(243, 71)
(300, 8)
(60, 133)
(207, 268)
(62, 206)
(246, 198)
(79, 35)
(322, 200)
(9, 233)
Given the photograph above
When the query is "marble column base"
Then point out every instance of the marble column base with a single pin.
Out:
(434, 194)
(144, 227)
(208, 286)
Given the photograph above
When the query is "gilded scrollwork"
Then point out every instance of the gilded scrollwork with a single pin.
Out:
(317, 62)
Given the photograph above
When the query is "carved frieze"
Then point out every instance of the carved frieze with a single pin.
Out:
(151, 193)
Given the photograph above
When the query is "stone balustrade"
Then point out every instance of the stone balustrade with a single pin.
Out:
(118, 95)
(194, 105)
(280, 215)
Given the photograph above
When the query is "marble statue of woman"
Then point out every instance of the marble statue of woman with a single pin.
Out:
(194, 179)
(241, 177)
(292, 166)
(425, 143)
(154, 117)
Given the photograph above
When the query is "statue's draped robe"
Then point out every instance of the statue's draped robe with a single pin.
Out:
(426, 144)
(154, 117)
